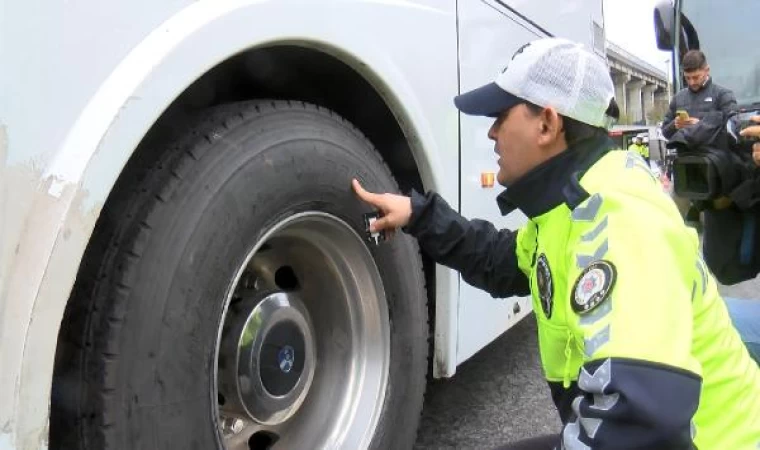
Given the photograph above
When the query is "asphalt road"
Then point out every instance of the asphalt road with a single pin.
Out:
(499, 395)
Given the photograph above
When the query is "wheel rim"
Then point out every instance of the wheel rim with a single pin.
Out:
(303, 350)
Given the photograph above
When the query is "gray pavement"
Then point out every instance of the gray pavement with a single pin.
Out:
(499, 395)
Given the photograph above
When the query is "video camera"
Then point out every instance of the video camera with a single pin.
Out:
(713, 164)
(713, 168)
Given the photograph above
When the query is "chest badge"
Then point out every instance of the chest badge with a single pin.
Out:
(545, 285)
(593, 286)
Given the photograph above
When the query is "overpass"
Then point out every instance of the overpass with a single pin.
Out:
(641, 89)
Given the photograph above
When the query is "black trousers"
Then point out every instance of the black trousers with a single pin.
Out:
(548, 442)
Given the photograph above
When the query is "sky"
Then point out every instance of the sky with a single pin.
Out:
(629, 24)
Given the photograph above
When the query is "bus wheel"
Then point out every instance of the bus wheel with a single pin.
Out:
(229, 297)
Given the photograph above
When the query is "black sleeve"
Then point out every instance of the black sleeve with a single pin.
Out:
(484, 256)
(621, 400)
(727, 103)
(669, 122)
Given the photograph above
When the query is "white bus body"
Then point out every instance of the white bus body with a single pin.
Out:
(84, 82)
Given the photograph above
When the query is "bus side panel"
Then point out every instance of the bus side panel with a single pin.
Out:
(487, 39)
(489, 34)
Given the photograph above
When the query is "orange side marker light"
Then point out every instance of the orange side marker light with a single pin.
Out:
(487, 179)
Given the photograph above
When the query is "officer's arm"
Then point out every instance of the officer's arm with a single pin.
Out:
(632, 299)
(484, 256)
(669, 122)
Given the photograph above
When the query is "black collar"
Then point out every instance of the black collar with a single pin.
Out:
(704, 86)
(554, 181)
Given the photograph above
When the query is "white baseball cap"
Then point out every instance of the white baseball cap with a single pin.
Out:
(549, 72)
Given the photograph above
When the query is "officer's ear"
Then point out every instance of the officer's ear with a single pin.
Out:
(551, 126)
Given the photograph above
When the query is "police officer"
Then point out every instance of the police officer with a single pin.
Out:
(637, 146)
(635, 142)
(634, 358)
(645, 148)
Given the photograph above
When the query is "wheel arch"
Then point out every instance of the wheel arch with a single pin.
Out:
(296, 71)
(321, 75)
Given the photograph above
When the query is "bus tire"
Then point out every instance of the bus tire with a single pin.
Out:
(233, 272)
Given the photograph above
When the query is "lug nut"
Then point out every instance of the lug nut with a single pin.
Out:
(232, 425)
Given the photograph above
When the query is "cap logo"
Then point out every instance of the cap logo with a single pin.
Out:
(520, 50)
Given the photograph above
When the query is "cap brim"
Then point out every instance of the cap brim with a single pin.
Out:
(489, 100)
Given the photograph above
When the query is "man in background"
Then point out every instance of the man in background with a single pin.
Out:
(700, 97)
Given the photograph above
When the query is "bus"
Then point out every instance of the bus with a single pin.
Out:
(183, 263)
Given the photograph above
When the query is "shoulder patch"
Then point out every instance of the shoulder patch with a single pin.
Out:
(545, 285)
(593, 286)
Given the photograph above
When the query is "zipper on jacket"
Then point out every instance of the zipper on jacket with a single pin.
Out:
(535, 249)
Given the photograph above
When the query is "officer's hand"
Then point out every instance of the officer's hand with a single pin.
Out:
(396, 209)
(754, 131)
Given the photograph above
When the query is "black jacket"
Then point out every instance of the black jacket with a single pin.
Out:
(710, 98)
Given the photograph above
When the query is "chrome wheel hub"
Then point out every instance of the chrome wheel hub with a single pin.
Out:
(303, 353)
(272, 342)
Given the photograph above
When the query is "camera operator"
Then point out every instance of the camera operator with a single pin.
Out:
(702, 96)
(745, 314)
(717, 168)
(718, 173)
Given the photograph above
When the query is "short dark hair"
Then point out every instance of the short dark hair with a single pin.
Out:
(693, 60)
(576, 131)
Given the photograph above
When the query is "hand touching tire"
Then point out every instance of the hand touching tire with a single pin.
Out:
(396, 209)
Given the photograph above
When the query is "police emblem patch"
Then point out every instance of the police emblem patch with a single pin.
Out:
(593, 286)
(545, 285)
